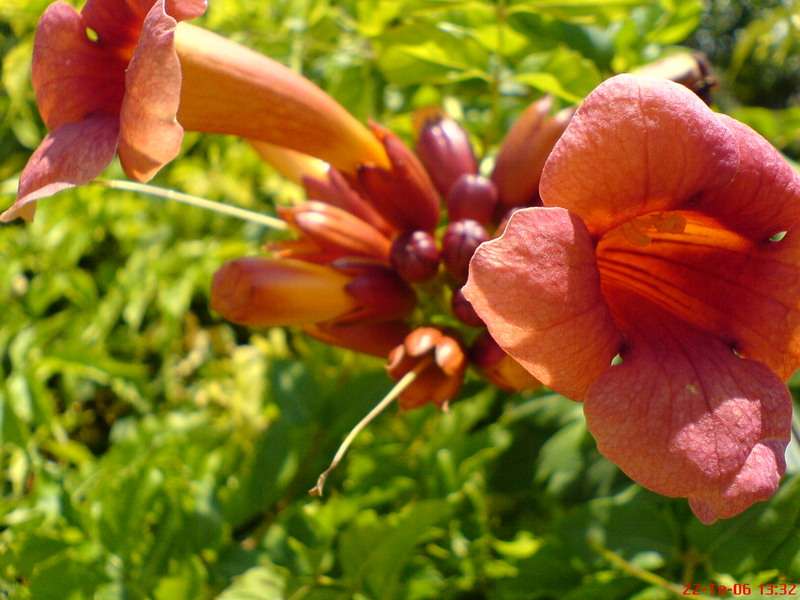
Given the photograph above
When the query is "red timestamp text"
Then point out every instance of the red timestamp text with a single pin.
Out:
(791, 590)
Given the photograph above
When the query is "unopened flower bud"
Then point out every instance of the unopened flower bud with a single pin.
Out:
(403, 194)
(377, 339)
(291, 164)
(336, 231)
(472, 197)
(459, 243)
(414, 256)
(519, 164)
(227, 88)
(440, 381)
(334, 189)
(499, 368)
(443, 147)
(690, 70)
(462, 309)
(381, 295)
(265, 292)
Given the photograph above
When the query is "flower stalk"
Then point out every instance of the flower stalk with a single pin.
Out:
(404, 382)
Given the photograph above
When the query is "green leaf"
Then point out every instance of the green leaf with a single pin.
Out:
(599, 12)
(677, 21)
(562, 458)
(428, 53)
(764, 536)
(264, 582)
(634, 524)
(374, 549)
(548, 572)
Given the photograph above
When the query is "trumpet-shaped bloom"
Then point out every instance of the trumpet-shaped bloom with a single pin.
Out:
(263, 292)
(657, 244)
(266, 292)
(141, 78)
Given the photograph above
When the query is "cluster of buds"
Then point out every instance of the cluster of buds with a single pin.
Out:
(383, 245)
(381, 253)
(385, 240)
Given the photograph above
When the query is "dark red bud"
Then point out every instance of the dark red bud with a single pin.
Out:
(472, 197)
(335, 230)
(437, 383)
(414, 256)
(334, 189)
(518, 167)
(459, 243)
(404, 195)
(377, 339)
(463, 310)
(443, 147)
(422, 340)
(380, 292)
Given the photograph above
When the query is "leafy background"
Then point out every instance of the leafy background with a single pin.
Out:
(151, 450)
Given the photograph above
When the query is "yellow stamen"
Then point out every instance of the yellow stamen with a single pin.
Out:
(636, 230)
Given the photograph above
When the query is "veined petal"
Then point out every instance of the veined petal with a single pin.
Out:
(73, 76)
(743, 292)
(635, 146)
(116, 22)
(73, 154)
(230, 89)
(150, 136)
(764, 197)
(684, 416)
(537, 288)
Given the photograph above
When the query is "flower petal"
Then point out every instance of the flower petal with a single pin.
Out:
(72, 75)
(184, 10)
(116, 22)
(764, 197)
(637, 145)
(684, 416)
(150, 136)
(537, 289)
(71, 155)
(744, 292)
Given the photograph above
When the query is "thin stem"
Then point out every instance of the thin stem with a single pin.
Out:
(638, 572)
(405, 381)
(218, 207)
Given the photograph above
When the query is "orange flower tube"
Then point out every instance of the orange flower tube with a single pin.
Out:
(264, 292)
(230, 89)
(142, 78)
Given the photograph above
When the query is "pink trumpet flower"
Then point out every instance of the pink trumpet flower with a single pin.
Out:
(657, 244)
(140, 78)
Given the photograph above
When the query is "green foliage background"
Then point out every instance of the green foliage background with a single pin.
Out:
(151, 450)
